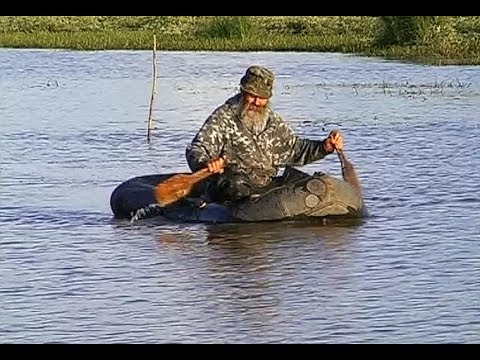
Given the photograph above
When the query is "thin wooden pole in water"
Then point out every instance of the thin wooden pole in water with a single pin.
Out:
(154, 87)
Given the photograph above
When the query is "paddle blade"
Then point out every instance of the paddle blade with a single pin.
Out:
(178, 187)
(348, 171)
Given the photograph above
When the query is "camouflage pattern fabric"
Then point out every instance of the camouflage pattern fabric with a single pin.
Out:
(256, 158)
(258, 81)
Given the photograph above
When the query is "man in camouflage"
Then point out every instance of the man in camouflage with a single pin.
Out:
(244, 142)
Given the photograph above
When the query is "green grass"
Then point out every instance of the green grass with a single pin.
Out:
(435, 40)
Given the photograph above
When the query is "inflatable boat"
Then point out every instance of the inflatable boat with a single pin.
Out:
(301, 196)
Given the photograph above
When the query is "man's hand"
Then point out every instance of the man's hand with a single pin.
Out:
(216, 166)
(334, 141)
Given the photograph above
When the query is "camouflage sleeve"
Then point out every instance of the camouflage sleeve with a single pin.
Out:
(306, 151)
(299, 151)
(208, 142)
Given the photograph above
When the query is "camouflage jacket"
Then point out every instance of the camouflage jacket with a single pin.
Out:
(257, 157)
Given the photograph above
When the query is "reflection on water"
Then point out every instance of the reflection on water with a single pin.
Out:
(247, 271)
(70, 273)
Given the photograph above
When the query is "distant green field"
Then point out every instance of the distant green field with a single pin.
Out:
(443, 40)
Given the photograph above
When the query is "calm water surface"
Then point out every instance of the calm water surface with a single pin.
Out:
(73, 126)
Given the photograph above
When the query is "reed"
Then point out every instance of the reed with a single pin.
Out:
(228, 27)
(429, 39)
(405, 30)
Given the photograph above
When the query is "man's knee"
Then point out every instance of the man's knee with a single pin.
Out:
(235, 188)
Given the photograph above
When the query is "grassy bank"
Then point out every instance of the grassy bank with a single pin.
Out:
(443, 40)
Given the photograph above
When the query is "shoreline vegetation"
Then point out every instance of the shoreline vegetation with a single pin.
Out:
(435, 40)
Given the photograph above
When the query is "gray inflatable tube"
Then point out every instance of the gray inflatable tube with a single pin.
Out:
(302, 197)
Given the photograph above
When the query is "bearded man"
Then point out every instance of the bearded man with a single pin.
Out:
(244, 142)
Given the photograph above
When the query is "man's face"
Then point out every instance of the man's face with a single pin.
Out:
(254, 112)
(255, 100)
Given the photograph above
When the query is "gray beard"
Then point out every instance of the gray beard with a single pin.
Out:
(254, 119)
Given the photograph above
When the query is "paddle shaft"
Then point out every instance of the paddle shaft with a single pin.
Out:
(199, 175)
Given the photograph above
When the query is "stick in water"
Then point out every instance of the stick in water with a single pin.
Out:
(154, 88)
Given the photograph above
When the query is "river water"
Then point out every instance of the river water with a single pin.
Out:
(73, 126)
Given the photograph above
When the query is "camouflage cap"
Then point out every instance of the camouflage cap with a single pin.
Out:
(258, 81)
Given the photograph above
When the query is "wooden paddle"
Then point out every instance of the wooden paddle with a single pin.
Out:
(348, 171)
(178, 186)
